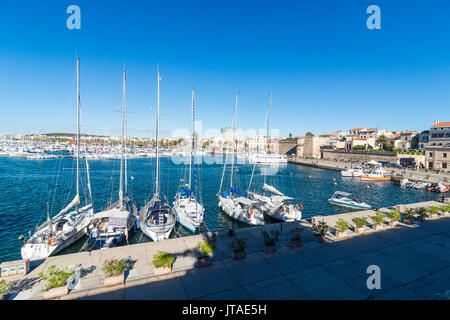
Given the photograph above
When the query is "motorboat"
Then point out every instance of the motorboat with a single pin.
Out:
(343, 199)
(354, 172)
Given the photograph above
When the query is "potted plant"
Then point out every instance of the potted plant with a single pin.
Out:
(360, 224)
(422, 213)
(238, 248)
(445, 210)
(114, 269)
(408, 216)
(377, 220)
(395, 217)
(162, 261)
(57, 285)
(320, 230)
(4, 286)
(433, 212)
(204, 250)
(269, 240)
(341, 228)
(296, 239)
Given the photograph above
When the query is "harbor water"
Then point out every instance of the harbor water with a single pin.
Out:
(30, 189)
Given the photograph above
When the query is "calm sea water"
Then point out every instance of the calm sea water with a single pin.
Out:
(30, 188)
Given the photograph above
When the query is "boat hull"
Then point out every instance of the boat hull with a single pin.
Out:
(349, 205)
(371, 178)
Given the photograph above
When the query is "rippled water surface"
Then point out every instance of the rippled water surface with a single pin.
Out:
(28, 188)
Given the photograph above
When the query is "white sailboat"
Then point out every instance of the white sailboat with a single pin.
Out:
(241, 208)
(188, 209)
(276, 204)
(69, 224)
(156, 218)
(109, 227)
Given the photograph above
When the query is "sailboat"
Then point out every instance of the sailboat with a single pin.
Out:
(188, 209)
(69, 224)
(110, 226)
(241, 207)
(276, 204)
(156, 218)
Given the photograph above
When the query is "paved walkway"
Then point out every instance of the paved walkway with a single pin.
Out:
(414, 262)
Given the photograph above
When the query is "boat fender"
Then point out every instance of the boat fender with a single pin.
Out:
(52, 242)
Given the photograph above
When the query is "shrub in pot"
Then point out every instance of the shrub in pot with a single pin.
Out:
(56, 285)
(395, 217)
(377, 220)
(296, 238)
(433, 212)
(360, 224)
(4, 286)
(422, 213)
(162, 261)
(270, 238)
(238, 248)
(445, 210)
(114, 270)
(204, 251)
(341, 228)
(408, 216)
(320, 230)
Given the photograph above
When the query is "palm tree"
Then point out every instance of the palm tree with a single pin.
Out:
(382, 141)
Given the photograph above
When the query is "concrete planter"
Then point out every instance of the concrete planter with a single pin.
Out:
(162, 271)
(295, 243)
(341, 234)
(393, 223)
(408, 221)
(236, 255)
(445, 214)
(377, 227)
(270, 249)
(360, 230)
(203, 261)
(57, 292)
(114, 281)
(432, 216)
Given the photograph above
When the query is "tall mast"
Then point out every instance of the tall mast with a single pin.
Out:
(78, 127)
(267, 135)
(157, 144)
(192, 142)
(123, 137)
(233, 130)
(125, 129)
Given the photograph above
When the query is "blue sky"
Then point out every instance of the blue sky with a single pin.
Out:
(326, 71)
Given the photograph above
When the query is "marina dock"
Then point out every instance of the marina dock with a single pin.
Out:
(414, 262)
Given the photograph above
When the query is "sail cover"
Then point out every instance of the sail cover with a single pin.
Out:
(266, 187)
(74, 202)
(239, 192)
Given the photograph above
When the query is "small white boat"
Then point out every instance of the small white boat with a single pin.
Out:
(342, 199)
(354, 172)
(267, 158)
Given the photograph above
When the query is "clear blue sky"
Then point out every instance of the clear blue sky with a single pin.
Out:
(325, 69)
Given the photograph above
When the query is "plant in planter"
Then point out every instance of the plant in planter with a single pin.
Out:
(341, 228)
(433, 212)
(320, 230)
(162, 261)
(57, 285)
(408, 216)
(238, 247)
(445, 210)
(204, 250)
(377, 220)
(296, 238)
(360, 224)
(269, 240)
(395, 217)
(114, 270)
(422, 213)
(4, 286)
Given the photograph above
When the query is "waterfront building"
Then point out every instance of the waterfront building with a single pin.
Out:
(424, 138)
(408, 140)
(437, 152)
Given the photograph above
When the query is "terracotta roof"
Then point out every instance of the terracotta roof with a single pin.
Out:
(301, 137)
(356, 129)
(408, 132)
(442, 124)
(359, 138)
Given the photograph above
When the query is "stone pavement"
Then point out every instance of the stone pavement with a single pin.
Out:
(414, 263)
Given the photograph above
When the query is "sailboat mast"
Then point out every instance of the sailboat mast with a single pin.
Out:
(233, 130)
(122, 142)
(78, 127)
(267, 135)
(192, 142)
(125, 129)
(157, 144)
